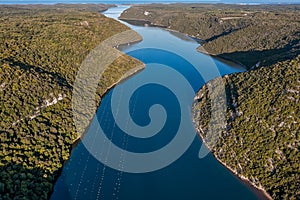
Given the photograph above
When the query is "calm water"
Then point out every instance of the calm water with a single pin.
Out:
(166, 55)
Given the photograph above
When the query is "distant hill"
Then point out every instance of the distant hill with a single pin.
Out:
(260, 34)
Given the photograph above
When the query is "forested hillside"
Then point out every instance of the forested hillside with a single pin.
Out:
(261, 140)
(249, 34)
(41, 49)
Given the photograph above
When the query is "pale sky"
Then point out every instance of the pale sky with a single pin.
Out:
(103, 1)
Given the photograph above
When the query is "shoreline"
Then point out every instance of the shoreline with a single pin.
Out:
(260, 192)
(125, 76)
(222, 58)
(143, 22)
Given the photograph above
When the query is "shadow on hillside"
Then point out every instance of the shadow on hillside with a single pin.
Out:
(18, 182)
(56, 76)
(265, 57)
(141, 22)
(223, 34)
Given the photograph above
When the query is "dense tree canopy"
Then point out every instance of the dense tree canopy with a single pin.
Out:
(245, 33)
(261, 138)
(41, 49)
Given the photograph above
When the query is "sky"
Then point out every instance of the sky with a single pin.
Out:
(228, 1)
(146, 1)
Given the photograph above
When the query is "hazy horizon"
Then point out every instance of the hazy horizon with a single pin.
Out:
(149, 1)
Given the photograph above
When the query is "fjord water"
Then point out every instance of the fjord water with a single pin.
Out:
(84, 177)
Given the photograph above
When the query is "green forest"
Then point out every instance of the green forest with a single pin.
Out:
(249, 34)
(41, 49)
(260, 140)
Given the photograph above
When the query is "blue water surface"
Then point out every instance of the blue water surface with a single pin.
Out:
(84, 177)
